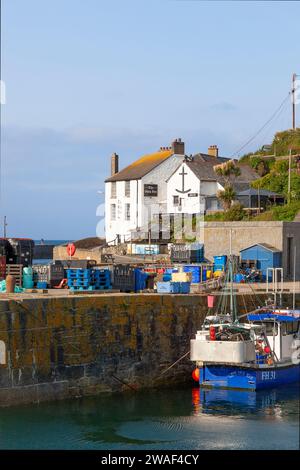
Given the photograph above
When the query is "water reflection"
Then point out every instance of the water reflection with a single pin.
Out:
(158, 419)
(274, 403)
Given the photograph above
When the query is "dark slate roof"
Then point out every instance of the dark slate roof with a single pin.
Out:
(203, 167)
(256, 192)
(142, 166)
(264, 245)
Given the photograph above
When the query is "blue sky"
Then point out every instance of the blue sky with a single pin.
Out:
(85, 79)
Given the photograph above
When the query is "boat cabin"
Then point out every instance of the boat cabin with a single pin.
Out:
(281, 330)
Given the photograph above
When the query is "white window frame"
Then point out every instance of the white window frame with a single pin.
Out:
(127, 211)
(113, 190)
(113, 212)
(127, 188)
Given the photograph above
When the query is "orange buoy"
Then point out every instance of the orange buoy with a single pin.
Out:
(196, 374)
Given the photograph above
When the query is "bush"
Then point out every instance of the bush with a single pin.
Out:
(236, 212)
(286, 213)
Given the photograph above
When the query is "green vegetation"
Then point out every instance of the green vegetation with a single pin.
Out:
(277, 180)
(273, 174)
(236, 212)
(280, 146)
(287, 212)
(228, 171)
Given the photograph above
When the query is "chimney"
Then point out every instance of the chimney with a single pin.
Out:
(213, 151)
(178, 147)
(114, 164)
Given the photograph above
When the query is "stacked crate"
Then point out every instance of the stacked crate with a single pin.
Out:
(129, 279)
(171, 287)
(88, 279)
(187, 253)
(15, 270)
(40, 273)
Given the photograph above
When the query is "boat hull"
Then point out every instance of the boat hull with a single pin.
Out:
(241, 377)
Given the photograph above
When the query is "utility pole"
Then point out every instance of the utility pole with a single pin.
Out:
(289, 176)
(293, 100)
(4, 227)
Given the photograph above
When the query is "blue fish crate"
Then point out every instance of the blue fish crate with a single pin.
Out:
(140, 279)
(220, 260)
(175, 287)
(164, 287)
(79, 274)
(185, 287)
(195, 270)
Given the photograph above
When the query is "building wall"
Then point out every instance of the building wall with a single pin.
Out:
(194, 204)
(159, 175)
(245, 234)
(120, 226)
(189, 205)
(140, 206)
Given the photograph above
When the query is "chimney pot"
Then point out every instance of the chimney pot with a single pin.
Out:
(114, 164)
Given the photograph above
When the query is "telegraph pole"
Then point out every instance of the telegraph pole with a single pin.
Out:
(293, 100)
(4, 227)
(289, 176)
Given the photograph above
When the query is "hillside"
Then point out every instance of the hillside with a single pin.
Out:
(272, 167)
(280, 145)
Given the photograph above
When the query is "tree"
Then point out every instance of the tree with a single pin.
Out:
(226, 196)
(227, 171)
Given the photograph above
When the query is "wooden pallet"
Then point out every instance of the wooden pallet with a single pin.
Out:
(15, 270)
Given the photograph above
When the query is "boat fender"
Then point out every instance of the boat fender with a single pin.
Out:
(196, 374)
(212, 333)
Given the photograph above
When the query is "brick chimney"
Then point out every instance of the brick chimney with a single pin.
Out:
(114, 164)
(213, 151)
(178, 147)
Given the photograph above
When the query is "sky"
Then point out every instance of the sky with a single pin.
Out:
(86, 79)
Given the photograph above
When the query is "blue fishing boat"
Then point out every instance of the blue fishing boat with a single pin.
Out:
(260, 354)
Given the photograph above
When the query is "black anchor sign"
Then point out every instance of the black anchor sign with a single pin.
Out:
(183, 191)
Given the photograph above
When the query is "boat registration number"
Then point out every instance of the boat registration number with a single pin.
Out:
(268, 375)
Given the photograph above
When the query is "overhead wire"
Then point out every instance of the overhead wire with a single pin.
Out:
(262, 127)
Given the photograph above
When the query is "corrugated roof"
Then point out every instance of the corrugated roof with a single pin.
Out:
(142, 166)
(264, 245)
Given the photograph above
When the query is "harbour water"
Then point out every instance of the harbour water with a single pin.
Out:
(166, 419)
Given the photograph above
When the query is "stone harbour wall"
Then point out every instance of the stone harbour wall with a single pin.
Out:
(63, 347)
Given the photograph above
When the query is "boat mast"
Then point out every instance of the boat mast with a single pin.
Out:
(232, 303)
(294, 284)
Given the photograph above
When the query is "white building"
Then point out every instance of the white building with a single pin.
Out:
(165, 182)
(132, 192)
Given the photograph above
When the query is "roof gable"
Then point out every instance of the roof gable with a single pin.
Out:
(142, 166)
(263, 245)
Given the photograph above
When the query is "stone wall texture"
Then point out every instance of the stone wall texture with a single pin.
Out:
(67, 347)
